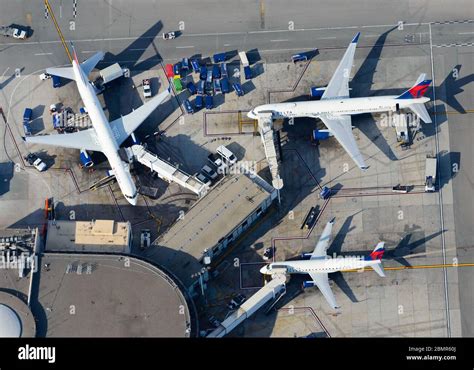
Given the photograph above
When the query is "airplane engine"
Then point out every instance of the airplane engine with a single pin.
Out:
(86, 159)
(308, 284)
(317, 92)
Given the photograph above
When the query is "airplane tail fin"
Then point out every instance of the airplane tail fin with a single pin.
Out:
(418, 90)
(89, 64)
(377, 253)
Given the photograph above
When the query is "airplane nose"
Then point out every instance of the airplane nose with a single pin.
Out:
(132, 201)
(252, 115)
(264, 270)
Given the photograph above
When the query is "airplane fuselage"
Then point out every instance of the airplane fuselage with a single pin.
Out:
(320, 265)
(105, 135)
(344, 106)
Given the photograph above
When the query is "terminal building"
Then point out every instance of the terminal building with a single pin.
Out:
(89, 236)
(196, 240)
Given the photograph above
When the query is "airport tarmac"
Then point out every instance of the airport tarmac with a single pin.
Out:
(430, 301)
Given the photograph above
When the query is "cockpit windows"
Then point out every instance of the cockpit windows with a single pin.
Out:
(131, 197)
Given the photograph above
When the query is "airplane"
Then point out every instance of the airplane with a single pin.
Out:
(336, 107)
(104, 136)
(319, 265)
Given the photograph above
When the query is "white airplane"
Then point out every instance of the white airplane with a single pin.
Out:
(319, 265)
(336, 107)
(104, 136)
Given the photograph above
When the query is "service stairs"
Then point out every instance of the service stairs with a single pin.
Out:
(167, 171)
(273, 289)
(265, 126)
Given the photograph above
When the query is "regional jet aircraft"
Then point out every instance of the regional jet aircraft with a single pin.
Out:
(319, 265)
(336, 107)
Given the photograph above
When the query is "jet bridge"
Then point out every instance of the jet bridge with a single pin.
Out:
(265, 126)
(166, 171)
(271, 290)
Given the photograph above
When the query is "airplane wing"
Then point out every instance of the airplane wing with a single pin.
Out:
(65, 72)
(338, 87)
(323, 243)
(122, 127)
(89, 64)
(341, 128)
(85, 139)
(322, 282)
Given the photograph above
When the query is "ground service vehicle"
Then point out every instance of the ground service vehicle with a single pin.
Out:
(145, 239)
(191, 88)
(146, 88)
(238, 89)
(198, 102)
(35, 161)
(27, 117)
(14, 31)
(209, 102)
(169, 36)
(430, 174)
(225, 85)
(188, 106)
(246, 65)
(226, 154)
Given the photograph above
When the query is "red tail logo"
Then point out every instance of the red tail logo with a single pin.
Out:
(419, 90)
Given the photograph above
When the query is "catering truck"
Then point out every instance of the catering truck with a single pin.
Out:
(430, 174)
(109, 74)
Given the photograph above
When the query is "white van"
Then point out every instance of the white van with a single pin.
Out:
(228, 156)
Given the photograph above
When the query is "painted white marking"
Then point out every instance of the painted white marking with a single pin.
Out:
(136, 49)
(40, 54)
(280, 40)
(6, 70)
(226, 44)
(88, 51)
(465, 33)
(184, 47)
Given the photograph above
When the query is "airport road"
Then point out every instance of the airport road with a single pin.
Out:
(454, 76)
(130, 31)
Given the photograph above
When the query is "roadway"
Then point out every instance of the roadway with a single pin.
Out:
(454, 76)
(129, 32)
